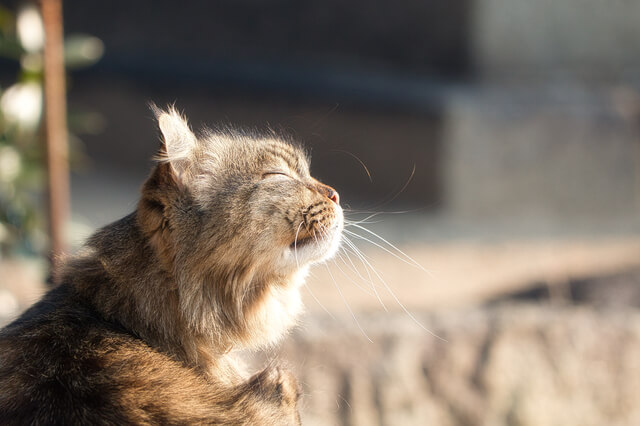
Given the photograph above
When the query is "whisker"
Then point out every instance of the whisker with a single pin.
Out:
(353, 266)
(295, 244)
(406, 311)
(349, 277)
(415, 265)
(358, 222)
(347, 305)
(382, 203)
(359, 161)
(377, 212)
(322, 230)
(361, 256)
(370, 216)
(318, 302)
(412, 261)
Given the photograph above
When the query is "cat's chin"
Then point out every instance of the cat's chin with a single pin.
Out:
(315, 249)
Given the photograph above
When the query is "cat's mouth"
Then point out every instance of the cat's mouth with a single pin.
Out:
(301, 242)
(315, 245)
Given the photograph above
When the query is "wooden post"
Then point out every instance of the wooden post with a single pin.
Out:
(56, 126)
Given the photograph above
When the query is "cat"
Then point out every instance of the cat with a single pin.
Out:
(142, 321)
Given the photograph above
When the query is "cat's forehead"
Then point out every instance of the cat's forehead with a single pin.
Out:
(275, 150)
(263, 152)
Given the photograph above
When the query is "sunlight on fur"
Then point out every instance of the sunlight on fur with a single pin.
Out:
(145, 317)
(144, 320)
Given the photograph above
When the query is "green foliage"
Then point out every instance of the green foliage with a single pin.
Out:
(22, 149)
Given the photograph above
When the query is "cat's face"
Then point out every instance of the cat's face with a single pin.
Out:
(270, 208)
(296, 219)
(237, 217)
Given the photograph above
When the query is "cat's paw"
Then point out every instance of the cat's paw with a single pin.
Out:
(277, 391)
(278, 385)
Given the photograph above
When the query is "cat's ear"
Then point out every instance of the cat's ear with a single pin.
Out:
(179, 142)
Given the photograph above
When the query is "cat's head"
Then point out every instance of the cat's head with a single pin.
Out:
(236, 220)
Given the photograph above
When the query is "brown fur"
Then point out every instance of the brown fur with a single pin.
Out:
(142, 322)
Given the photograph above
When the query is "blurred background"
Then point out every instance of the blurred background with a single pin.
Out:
(487, 150)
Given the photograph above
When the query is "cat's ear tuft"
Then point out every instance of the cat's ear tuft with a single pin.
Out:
(179, 142)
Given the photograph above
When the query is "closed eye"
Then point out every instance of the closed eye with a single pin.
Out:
(274, 173)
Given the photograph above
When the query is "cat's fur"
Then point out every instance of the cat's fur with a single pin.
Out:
(141, 323)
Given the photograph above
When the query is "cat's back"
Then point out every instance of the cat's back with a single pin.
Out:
(61, 363)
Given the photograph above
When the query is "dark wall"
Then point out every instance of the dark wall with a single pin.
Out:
(429, 37)
(340, 137)
(349, 78)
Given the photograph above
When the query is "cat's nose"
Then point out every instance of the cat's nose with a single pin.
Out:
(333, 196)
(329, 192)
(325, 190)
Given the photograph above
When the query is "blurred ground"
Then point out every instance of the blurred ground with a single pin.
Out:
(467, 274)
(511, 365)
(526, 330)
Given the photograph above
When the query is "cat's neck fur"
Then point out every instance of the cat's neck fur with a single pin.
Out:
(134, 291)
(125, 284)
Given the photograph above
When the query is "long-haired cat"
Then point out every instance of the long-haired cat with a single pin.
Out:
(140, 326)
